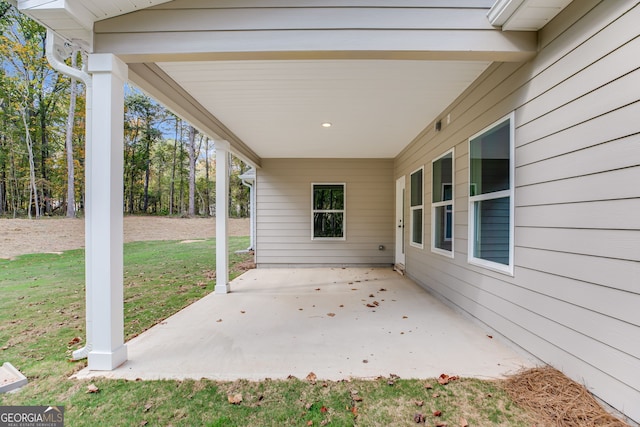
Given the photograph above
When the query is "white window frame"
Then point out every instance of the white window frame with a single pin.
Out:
(412, 208)
(343, 211)
(491, 265)
(443, 204)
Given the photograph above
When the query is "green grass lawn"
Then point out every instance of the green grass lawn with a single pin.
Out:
(42, 322)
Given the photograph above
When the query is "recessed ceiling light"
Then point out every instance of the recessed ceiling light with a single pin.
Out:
(326, 125)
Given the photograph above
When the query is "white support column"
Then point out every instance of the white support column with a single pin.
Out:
(222, 217)
(104, 241)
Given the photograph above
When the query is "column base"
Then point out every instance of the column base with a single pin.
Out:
(222, 288)
(103, 361)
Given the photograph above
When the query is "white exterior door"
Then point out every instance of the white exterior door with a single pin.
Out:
(400, 189)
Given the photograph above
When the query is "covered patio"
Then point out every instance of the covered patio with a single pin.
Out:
(335, 322)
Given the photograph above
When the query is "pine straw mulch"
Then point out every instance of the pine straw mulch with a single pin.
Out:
(556, 400)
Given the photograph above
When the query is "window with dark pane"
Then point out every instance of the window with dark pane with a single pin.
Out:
(442, 204)
(491, 196)
(328, 210)
(417, 208)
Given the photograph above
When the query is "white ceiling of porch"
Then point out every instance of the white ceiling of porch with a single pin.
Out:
(376, 107)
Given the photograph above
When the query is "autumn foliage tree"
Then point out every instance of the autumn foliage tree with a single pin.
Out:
(42, 141)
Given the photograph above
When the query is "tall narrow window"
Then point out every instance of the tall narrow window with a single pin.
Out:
(328, 211)
(491, 196)
(417, 207)
(442, 205)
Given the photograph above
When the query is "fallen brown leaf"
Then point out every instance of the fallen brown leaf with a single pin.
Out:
(317, 289)
(323, 409)
(371, 306)
(419, 418)
(419, 402)
(147, 407)
(144, 422)
(372, 296)
(219, 320)
(444, 379)
(91, 388)
(331, 314)
(312, 378)
(428, 386)
(235, 399)
(441, 424)
(383, 290)
(310, 423)
(437, 413)
(75, 340)
(463, 423)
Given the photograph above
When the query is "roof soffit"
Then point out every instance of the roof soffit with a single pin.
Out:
(432, 40)
(524, 15)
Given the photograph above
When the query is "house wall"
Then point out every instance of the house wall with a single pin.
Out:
(574, 296)
(284, 223)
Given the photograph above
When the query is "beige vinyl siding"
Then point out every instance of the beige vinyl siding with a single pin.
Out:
(284, 224)
(573, 299)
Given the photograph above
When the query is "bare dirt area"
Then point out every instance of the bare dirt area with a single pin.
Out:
(25, 236)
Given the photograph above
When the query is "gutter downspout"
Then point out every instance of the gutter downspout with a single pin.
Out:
(54, 57)
(252, 213)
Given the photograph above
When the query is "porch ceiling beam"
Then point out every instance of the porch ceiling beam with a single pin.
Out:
(438, 44)
(154, 81)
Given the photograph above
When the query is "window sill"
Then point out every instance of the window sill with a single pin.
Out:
(448, 254)
(493, 266)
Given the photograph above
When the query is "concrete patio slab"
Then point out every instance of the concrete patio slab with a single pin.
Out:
(338, 323)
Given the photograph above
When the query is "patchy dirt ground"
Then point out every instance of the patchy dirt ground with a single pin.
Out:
(24, 236)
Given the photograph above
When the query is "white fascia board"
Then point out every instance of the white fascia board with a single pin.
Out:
(42, 9)
(502, 10)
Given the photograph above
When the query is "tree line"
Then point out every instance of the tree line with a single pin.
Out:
(169, 167)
